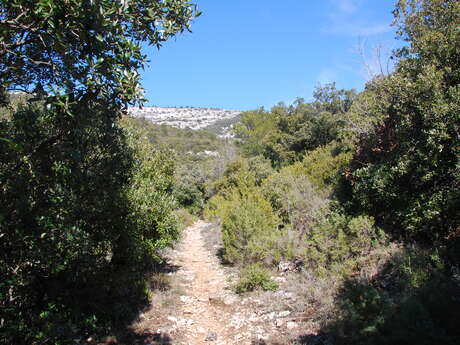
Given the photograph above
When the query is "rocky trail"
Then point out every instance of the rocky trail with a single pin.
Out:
(200, 307)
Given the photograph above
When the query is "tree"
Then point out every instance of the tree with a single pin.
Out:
(69, 180)
(406, 171)
(86, 49)
(285, 134)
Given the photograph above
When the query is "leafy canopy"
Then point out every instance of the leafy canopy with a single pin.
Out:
(84, 48)
(406, 172)
(80, 202)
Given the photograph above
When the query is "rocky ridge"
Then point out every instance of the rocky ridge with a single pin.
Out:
(220, 120)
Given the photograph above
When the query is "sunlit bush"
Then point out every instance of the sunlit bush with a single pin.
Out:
(336, 239)
(255, 276)
(249, 225)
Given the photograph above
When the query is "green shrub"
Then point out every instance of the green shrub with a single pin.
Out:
(324, 165)
(153, 225)
(411, 299)
(294, 197)
(249, 225)
(261, 167)
(66, 202)
(406, 172)
(336, 240)
(249, 228)
(236, 176)
(189, 193)
(62, 207)
(286, 133)
(255, 276)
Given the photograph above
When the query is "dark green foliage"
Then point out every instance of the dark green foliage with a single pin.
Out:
(94, 53)
(62, 204)
(255, 276)
(412, 300)
(149, 192)
(406, 172)
(189, 193)
(258, 132)
(74, 201)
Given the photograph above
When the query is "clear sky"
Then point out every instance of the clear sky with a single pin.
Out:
(243, 54)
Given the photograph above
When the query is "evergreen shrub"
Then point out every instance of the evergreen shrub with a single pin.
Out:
(255, 276)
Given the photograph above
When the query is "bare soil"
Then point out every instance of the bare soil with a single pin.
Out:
(198, 306)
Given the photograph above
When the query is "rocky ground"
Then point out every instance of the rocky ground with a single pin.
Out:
(199, 305)
(193, 118)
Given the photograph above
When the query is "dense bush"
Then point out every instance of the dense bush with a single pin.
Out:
(285, 134)
(255, 276)
(249, 225)
(336, 240)
(153, 224)
(294, 197)
(249, 228)
(409, 300)
(261, 167)
(62, 209)
(190, 192)
(405, 173)
(75, 206)
(325, 166)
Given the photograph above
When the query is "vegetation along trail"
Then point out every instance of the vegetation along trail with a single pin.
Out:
(332, 221)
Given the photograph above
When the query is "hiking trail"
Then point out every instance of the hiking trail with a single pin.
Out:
(200, 307)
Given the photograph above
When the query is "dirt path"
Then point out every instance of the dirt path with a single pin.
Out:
(198, 305)
(206, 290)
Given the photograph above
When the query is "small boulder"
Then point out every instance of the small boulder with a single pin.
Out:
(291, 325)
(211, 336)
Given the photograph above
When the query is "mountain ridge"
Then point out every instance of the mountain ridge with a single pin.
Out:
(216, 120)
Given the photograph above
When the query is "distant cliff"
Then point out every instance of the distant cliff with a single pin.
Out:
(218, 121)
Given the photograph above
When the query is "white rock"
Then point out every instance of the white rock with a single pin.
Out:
(291, 325)
(271, 316)
(194, 118)
(172, 319)
(185, 299)
(284, 313)
(229, 300)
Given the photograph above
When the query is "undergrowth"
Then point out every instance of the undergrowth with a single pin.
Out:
(255, 276)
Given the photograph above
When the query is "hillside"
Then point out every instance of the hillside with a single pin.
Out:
(214, 120)
(333, 221)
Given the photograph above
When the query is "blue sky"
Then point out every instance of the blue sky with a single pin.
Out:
(243, 54)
